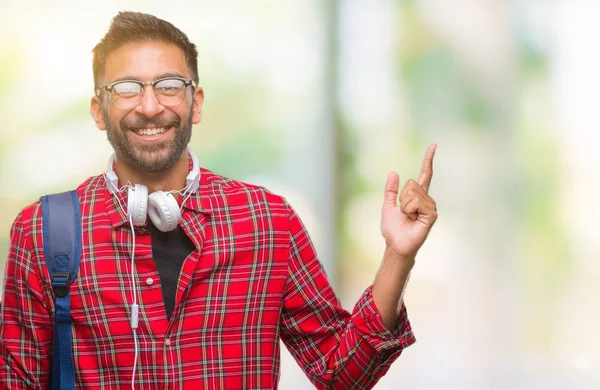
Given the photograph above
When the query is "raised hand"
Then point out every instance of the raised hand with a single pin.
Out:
(405, 226)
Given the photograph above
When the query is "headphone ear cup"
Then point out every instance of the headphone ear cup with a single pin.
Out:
(163, 211)
(137, 204)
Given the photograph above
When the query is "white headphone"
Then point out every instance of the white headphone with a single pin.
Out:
(161, 206)
(164, 212)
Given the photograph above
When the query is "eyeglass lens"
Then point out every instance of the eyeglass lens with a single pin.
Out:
(128, 94)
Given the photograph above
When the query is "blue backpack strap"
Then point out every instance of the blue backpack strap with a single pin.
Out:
(62, 248)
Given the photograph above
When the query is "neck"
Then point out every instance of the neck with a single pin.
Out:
(170, 179)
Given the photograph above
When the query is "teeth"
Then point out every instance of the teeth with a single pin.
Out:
(151, 131)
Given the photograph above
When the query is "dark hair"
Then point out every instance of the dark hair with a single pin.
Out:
(136, 27)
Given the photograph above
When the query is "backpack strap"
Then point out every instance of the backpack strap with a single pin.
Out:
(62, 247)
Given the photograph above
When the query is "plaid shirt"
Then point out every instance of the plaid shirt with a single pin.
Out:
(254, 279)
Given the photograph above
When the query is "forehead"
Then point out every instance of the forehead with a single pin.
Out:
(145, 61)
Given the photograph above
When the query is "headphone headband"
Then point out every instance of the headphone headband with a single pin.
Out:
(192, 181)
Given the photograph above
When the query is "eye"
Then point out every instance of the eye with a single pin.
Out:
(127, 89)
(169, 86)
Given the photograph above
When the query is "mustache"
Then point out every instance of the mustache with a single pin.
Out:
(149, 122)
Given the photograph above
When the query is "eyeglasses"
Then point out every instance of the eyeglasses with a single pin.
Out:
(128, 94)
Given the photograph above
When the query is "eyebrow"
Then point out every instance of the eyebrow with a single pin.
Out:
(135, 78)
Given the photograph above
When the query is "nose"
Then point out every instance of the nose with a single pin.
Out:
(150, 106)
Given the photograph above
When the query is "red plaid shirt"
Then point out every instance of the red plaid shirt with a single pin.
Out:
(254, 279)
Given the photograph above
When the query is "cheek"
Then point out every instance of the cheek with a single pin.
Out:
(182, 112)
(106, 112)
(113, 119)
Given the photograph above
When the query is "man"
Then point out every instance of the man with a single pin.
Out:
(219, 274)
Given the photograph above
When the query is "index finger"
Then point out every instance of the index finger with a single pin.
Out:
(427, 168)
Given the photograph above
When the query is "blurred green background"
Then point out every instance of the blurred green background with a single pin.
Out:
(318, 101)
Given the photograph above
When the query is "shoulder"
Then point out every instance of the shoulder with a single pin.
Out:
(91, 189)
(28, 221)
(227, 189)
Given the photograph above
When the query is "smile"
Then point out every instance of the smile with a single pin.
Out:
(151, 131)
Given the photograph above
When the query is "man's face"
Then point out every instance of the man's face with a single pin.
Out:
(150, 137)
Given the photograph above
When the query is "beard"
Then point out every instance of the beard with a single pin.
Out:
(154, 157)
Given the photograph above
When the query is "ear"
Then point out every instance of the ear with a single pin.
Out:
(96, 111)
(197, 105)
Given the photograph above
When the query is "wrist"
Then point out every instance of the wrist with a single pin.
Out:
(405, 262)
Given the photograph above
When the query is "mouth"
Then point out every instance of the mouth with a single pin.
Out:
(151, 133)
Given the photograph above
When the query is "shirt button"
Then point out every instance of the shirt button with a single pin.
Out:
(167, 341)
(149, 281)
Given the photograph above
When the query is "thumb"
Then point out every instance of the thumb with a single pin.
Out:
(391, 190)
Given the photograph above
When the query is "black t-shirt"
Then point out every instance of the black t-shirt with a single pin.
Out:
(169, 250)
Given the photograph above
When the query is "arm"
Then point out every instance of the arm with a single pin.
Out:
(25, 321)
(404, 228)
(389, 286)
(336, 349)
(343, 351)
